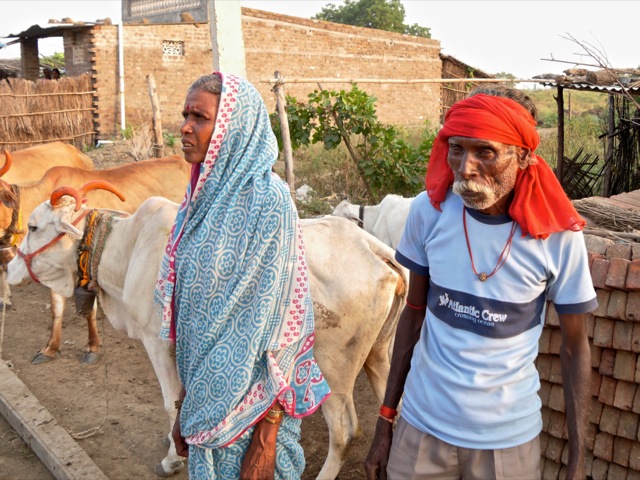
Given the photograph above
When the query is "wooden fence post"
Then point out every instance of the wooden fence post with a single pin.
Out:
(286, 136)
(158, 143)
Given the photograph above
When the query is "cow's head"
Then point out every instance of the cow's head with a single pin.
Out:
(49, 248)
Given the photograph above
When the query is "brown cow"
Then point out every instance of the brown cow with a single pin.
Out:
(166, 177)
(30, 164)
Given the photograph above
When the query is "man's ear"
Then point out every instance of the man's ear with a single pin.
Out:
(525, 157)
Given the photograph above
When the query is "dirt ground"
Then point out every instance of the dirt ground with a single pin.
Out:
(120, 394)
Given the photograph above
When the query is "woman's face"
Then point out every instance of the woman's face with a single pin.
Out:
(200, 112)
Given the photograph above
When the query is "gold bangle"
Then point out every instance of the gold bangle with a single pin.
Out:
(273, 421)
(275, 413)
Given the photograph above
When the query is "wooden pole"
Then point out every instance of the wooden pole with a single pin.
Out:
(608, 162)
(560, 160)
(286, 136)
(158, 143)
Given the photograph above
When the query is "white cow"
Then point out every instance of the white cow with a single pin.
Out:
(384, 221)
(358, 293)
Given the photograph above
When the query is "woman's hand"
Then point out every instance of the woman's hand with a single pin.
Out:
(259, 462)
(182, 448)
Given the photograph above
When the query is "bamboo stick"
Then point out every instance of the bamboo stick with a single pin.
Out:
(423, 80)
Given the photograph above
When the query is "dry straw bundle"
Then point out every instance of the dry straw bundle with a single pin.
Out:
(33, 113)
(610, 219)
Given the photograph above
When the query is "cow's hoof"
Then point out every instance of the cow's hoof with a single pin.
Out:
(90, 358)
(165, 441)
(174, 468)
(41, 358)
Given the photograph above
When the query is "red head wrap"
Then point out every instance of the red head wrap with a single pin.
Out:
(540, 205)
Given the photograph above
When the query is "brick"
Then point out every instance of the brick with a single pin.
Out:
(544, 392)
(633, 276)
(609, 419)
(555, 342)
(603, 332)
(592, 431)
(595, 413)
(555, 372)
(625, 393)
(596, 381)
(556, 424)
(621, 451)
(591, 324)
(543, 364)
(635, 337)
(617, 273)
(616, 472)
(543, 342)
(603, 447)
(546, 418)
(596, 355)
(597, 245)
(622, 336)
(625, 366)
(554, 449)
(628, 425)
(551, 318)
(556, 398)
(599, 469)
(633, 307)
(603, 301)
(599, 269)
(607, 362)
(635, 251)
(634, 456)
(636, 402)
(551, 470)
(608, 390)
(618, 250)
(633, 475)
(617, 307)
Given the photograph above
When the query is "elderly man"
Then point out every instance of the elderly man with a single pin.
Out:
(490, 242)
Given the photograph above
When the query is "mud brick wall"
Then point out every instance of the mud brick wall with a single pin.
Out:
(296, 47)
(614, 333)
(302, 48)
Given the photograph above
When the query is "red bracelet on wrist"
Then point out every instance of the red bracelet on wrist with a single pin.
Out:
(388, 413)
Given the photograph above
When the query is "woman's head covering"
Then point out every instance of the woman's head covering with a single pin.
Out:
(233, 285)
(540, 205)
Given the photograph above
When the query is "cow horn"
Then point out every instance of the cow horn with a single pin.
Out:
(7, 163)
(58, 193)
(101, 184)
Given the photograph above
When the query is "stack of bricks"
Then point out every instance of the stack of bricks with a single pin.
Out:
(613, 437)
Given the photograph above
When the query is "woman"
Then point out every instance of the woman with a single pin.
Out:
(235, 295)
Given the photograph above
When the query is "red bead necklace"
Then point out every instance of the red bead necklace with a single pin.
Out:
(503, 256)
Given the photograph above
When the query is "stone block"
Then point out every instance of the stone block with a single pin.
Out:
(633, 307)
(599, 469)
(595, 413)
(556, 424)
(554, 449)
(607, 390)
(596, 244)
(603, 300)
(634, 456)
(556, 398)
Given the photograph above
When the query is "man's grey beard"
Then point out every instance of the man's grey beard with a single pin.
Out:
(462, 186)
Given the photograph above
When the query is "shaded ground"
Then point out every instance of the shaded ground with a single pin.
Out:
(120, 394)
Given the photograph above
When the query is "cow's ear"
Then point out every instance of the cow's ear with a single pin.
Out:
(9, 199)
(67, 227)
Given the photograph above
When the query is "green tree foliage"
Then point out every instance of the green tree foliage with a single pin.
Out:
(381, 14)
(384, 158)
(506, 75)
(53, 61)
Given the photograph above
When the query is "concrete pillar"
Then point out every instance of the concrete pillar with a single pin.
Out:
(225, 23)
(29, 60)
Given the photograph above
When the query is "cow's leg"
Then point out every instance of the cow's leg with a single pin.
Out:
(165, 367)
(377, 367)
(5, 294)
(92, 353)
(49, 352)
(340, 414)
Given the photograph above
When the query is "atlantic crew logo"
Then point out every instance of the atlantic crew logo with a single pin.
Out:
(470, 312)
